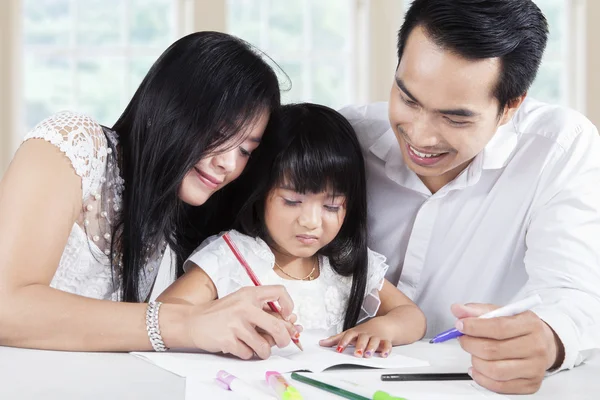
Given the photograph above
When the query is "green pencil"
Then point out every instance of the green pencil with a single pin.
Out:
(339, 391)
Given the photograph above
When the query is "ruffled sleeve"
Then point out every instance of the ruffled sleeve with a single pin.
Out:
(375, 278)
(220, 264)
(83, 142)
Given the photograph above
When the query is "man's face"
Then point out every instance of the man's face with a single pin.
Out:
(442, 109)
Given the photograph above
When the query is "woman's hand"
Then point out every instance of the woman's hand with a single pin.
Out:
(368, 339)
(238, 323)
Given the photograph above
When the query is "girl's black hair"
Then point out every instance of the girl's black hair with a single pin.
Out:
(202, 92)
(319, 151)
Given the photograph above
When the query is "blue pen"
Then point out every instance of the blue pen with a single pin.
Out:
(506, 311)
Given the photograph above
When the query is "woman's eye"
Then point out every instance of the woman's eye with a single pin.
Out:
(333, 208)
(245, 152)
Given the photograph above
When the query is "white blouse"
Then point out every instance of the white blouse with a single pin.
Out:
(320, 304)
(84, 267)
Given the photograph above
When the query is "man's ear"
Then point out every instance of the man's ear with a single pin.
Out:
(510, 108)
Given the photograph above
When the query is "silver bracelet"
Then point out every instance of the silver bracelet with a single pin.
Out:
(153, 327)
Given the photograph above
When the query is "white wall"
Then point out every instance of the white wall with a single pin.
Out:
(376, 28)
(10, 79)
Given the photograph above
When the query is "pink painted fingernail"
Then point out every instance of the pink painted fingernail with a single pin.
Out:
(358, 353)
(297, 335)
(459, 325)
(368, 353)
(384, 355)
(339, 349)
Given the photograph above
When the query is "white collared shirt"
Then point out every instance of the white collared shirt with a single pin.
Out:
(522, 218)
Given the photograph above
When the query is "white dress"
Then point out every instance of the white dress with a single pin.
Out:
(84, 267)
(320, 304)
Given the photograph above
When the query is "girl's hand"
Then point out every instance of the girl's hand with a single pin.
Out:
(368, 339)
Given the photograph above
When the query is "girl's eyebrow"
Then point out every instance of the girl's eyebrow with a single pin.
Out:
(285, 186)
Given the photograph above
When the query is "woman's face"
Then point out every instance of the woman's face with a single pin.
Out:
(221, 167)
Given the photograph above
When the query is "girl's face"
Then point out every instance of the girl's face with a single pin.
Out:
(221, 167)
(301, 224)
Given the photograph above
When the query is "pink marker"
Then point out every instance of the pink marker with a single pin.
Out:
(241, 388)
(281, 387)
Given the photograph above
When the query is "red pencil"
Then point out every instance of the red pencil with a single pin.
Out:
(254, 279)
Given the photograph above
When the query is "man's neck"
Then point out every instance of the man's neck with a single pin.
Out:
(435, 183)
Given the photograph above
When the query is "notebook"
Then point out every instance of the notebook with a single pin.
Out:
(314, 358)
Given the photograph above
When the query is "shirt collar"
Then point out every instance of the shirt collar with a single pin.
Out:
(494, 156)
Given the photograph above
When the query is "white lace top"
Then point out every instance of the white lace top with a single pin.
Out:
(320, 304)
(84, 267)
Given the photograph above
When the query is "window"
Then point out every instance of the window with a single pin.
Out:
(551, 82)
(90, 55)
(311, 40)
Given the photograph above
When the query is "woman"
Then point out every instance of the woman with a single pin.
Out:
(86, 212)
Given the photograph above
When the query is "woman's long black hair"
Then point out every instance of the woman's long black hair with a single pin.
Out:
(319, 151)
(202, 92)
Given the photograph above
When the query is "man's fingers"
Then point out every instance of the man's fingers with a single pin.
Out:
(499, 328)
(516, 386)
(471, 309)
(508, 370)
(492, 349)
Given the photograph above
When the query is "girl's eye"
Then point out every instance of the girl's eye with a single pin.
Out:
(289, 202)
(244, 152)
(332, 208)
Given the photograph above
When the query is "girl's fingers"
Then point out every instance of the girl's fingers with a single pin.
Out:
(361, 343)
(385, 348)
(332, 340)
(346, 340)
(372, 347)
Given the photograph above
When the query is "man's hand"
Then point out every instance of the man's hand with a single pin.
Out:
(508, 354)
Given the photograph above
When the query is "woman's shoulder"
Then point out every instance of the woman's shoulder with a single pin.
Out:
(67, 125)
(81, 139)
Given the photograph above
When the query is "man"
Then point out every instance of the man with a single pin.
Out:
(479, 195)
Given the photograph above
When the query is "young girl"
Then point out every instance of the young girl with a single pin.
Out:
(305, 228)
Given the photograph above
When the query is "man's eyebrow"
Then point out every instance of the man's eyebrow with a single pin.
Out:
(402, 87)
(459, 112)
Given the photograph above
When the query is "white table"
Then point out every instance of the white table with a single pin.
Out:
(35, 374)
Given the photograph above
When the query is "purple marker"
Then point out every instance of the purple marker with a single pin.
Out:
(509, 310)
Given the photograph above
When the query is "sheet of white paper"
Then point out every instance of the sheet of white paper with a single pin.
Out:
(314, 358)
(197, 388)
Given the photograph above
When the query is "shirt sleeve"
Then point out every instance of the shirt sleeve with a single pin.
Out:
(375, 278)
(563, 247)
